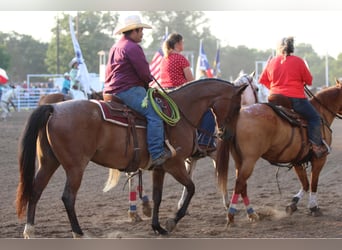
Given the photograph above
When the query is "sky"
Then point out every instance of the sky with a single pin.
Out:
(254, 29)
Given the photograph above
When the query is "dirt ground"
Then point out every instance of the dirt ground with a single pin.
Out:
(104, 215)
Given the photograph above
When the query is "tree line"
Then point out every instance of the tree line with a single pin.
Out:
(22, 54)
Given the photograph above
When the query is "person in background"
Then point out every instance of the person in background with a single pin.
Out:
(174, 72)
(6, 100)
(66, 84)
(174, 68)
(128, 76)
(287, 74)
(74, 74)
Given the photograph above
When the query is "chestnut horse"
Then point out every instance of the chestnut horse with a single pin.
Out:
(261, 133)
(132, 211)
(248, 97)
(73, 133)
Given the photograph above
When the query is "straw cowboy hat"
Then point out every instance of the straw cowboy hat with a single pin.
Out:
(72, 62)
(130, 23)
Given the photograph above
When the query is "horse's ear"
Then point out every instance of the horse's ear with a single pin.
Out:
(252, 74)
(337, 81)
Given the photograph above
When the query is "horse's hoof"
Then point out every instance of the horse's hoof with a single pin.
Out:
(230, 220)
(134, 216)
(290, 209)
(159, 230)
(28, 231)
(170, 225)
(315, 211)
(77, 235)
(230, 224)
(146, 209)
(253, 217)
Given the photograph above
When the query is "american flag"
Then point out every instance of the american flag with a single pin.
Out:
(156, 61)
(155, 64)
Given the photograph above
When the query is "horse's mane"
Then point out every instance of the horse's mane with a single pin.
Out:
(329, 93)
(194, 82)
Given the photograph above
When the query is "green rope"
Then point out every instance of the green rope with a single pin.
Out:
(175, 116)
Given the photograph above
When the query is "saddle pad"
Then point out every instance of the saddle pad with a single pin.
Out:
(118, 114)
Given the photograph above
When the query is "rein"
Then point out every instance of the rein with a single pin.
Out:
(311, 95)
(254, 90)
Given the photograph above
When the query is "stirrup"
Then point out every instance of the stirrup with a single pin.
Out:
(327, 146)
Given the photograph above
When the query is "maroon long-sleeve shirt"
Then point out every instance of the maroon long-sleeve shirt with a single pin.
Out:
(127, 67)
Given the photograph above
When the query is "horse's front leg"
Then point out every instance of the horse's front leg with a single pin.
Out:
(190, 165)
(157, 192)
(315, 171)
(178, 171)
(302, 176)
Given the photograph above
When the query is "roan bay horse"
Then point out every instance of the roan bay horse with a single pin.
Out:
(260, 132)
(250, 95)
(73, 133)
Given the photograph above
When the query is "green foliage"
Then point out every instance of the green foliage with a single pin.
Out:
(26, 55)
(94, 31)
(4, 57)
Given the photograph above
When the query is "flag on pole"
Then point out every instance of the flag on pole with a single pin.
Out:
(3, 76)
(84, 77)
(217, 64)
(203, 63)
(156, 61)
(155, 64)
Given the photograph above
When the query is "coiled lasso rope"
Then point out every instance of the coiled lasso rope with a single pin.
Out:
(175, 116)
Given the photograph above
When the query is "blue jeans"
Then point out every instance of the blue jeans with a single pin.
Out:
(303, 107)
(207, 124)
(133, 98)
(65, 91)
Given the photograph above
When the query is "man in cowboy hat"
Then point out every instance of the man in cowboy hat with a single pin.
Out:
(128, 76)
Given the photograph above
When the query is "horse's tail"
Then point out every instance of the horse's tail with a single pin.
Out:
(222, 164)
(27, 155)
(113, 179)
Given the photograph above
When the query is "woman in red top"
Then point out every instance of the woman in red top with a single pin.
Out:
(175, 68)
(174, 72)
(287, 75)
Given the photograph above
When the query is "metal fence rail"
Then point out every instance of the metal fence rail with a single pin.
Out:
(29, 98)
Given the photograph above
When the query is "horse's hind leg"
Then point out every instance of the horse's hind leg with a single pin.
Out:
(302, 176)
(243, 172)
(72, 185)
(132, 209)
(42, 178)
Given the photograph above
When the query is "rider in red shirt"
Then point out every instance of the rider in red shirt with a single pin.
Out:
(287, 75)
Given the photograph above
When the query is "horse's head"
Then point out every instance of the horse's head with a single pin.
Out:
(339, 87)
(246, 79)
(328, 102)
(227, 110)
